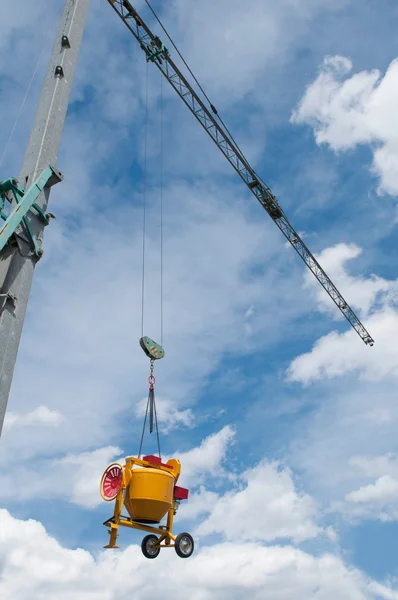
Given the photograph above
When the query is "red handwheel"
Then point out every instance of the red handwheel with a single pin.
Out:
(111, 482)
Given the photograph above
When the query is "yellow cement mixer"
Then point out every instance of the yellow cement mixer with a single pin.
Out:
(147, 489)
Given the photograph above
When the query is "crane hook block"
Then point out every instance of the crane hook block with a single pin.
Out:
(151, 348)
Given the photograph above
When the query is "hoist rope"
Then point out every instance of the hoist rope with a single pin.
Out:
(212, 107)
(23, 101)
(145, 187)
(144, 204)
(151, 403)
(161, 209)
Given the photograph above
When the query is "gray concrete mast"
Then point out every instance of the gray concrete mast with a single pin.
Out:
(17, 261)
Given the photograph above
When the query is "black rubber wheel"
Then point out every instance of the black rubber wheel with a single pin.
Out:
(184, 545)
(147, 546)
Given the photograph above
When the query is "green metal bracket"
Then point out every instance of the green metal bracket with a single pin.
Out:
(156, 51)
(11, 191)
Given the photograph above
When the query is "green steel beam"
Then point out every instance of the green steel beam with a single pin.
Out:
(24, 202)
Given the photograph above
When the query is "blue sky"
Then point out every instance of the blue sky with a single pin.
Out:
(284, 421)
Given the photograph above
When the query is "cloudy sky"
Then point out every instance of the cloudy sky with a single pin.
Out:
(284, 421)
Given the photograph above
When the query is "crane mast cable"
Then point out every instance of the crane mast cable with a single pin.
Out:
(157, 53)
(24, 101)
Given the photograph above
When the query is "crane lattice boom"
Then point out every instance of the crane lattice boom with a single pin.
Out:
(157, 53)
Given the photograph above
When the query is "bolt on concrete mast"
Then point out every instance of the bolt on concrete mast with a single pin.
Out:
(17, 261)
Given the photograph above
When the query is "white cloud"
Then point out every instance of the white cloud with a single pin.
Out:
(384, 489)
(361, 293)
(82, 474)
(337, 354)
(376, 466)
(328, 447)
(207, 458)
(376, 500)
(346, 111)
(358, 409)
(198, 503)
(41, 415)
(33, 565)
(267, 507)
(74, 477)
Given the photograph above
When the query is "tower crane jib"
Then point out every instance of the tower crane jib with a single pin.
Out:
(157, 53)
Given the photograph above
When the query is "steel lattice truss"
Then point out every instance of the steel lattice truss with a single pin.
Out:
(157, 53)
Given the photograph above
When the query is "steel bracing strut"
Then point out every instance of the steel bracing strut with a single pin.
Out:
(157, 53)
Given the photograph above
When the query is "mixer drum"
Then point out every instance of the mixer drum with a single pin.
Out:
(149, 495)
